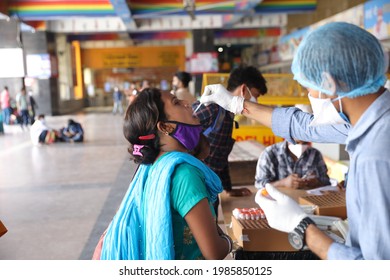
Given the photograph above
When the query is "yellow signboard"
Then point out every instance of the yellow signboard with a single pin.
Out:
(336, 169)
(121, 60)
(259, 133)
(134, 57)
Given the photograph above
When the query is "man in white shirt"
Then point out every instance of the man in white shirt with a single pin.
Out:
(40, 133)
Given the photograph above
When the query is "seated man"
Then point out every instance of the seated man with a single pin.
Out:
(287, 165)
(73, 132)
(40, 133)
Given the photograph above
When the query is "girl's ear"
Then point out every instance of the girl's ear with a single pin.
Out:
(161, 127)
(165, 128)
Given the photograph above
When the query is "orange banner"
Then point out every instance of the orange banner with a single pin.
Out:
(134, 57)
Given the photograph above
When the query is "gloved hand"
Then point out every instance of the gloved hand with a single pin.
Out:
(220, 95)
(282, 213)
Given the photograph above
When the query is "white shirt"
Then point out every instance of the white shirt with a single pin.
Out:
(36, 129)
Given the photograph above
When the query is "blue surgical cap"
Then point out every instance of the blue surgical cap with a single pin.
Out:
(340, 58)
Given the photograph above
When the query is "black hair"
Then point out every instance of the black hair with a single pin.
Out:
(141, 119)
(248, 75)
(184, 77)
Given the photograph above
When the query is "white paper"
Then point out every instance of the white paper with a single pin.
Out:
(320, 190)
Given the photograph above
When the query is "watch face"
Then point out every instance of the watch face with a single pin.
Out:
(295, 240)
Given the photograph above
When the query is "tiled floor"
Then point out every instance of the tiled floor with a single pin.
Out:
(56, 200)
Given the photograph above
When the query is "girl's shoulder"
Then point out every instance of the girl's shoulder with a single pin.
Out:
(186, 169)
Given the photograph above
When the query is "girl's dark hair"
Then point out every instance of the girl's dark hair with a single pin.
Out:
(141, 119)
(184, 77)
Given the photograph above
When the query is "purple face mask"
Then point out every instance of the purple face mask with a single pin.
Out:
(187, 134)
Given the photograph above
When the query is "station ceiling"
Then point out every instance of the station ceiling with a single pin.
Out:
(146, 18)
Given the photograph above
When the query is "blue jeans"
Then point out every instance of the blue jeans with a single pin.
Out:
(117, 107)
(25, 117)
(7, 115)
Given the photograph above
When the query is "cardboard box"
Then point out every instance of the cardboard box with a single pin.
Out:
(331, 204)
(3, 229)
(257, 236)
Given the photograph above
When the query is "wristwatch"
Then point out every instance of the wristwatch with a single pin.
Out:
(297, 236)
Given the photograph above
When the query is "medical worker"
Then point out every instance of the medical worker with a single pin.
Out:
(344, 69)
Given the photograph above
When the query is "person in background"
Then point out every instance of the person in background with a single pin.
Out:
(133, 92)
(22, 105)
(33, 106)
(350, 106)
(144, 85)
(73, 132)
(117, 97)
(40, 133)
(180, 88)
(167, 212)
(297, 166)
(217, 124)
(1, 125)
(292, 165)
(380, 28)
(5, 102)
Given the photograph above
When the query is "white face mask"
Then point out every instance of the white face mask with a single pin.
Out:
(252, 98)
(325, 113)
(298, 149)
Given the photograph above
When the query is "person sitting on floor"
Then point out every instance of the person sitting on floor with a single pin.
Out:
(40, 133)
(73, 132)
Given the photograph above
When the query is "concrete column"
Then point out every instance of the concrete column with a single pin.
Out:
(66, 98)
(203, 41)
(10, 38)
(45, 90)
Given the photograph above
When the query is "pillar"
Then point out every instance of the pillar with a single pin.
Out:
(203, 41)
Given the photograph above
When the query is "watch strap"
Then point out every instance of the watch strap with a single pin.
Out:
(301, 229)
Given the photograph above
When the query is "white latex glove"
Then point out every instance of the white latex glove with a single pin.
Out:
(219, 94)
(282, 212)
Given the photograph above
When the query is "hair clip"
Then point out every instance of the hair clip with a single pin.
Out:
(137, 150)
(147, 137)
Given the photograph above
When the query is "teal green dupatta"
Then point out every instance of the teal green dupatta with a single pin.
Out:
(142, 227)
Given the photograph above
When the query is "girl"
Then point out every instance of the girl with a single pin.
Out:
(167, 212)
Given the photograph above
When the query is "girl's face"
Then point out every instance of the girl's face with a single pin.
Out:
(178, 110)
